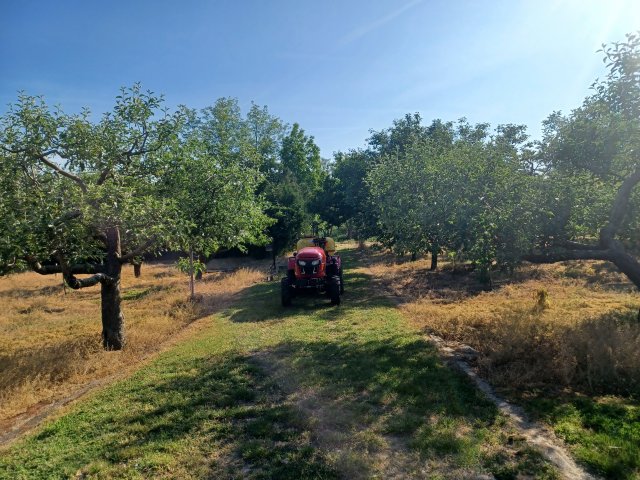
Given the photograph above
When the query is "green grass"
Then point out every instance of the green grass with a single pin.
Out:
(138, 293)
(602, 433)
(312, 391)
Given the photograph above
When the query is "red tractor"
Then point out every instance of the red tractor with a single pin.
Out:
(314, 268)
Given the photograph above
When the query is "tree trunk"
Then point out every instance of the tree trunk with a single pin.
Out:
(112, 317)
(199, 273)
(192, 285)
(485, 277)
(434, 257)
(137, 269)
(414, 256)
(626, 264)
(350, 234)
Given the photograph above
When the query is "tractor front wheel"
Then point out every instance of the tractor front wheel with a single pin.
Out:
(334, 290)
(286, 293)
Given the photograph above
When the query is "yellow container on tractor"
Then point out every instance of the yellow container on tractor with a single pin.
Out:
(329, 244)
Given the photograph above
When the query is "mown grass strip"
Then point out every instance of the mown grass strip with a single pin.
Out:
(361, 386)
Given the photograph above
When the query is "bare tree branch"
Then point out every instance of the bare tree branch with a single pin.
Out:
(70, 215)
(37, 267)
(11, 150)
(565, 255)
(100, 236)
(104, 175)
(77, 283)
(138, 250)
(619, 208)
(80, 268)
(136, 150)
(580, 246)
(609, 248)
(63, 172)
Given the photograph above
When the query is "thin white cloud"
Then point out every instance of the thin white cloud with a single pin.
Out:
(368, 28)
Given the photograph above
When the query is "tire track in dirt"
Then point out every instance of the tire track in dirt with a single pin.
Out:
(335, 429)
(15, 427)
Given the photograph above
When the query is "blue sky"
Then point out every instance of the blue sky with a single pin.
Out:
(337, 68)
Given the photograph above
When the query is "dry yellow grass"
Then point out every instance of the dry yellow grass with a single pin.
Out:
(50, 342)
(571, 325)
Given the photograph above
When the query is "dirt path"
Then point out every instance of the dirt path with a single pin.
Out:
(15, 427)
(536, 434)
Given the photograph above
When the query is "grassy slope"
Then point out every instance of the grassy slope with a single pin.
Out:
(602, 432)
(563, 363)
(310, 392)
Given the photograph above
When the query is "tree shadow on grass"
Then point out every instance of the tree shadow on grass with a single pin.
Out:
(28, 292)
(444, 284)
(227, 416)
(228, 404)
(447, 285)
(398, 383)
(397, 388)
(214, 418)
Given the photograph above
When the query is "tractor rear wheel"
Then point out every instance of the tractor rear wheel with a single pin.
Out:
(285, 292)
(334, 290)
